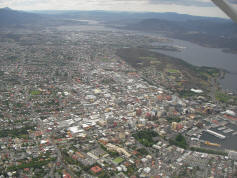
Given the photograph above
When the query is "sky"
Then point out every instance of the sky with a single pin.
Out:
(192, 7)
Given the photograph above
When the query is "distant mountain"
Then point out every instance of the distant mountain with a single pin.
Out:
(116, 15)
(13, 17)
(212, 26)
(207, 32)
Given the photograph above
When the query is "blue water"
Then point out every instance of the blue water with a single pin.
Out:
(211, 57)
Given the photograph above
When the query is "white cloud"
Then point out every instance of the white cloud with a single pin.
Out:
(193, 7)
(184, 2)
(233, 1)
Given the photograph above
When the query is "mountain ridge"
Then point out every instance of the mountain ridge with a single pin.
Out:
(10, 17)
(217, 34)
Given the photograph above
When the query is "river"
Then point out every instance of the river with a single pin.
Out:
(204, 56)
(193, 54)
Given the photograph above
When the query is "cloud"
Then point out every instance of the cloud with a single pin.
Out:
(233, 1)
(202, 3)
(192, 7)
(105, 2)
(62, 3)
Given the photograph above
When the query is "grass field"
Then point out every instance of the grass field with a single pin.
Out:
(35, 92)
(222, 97)
(118, 160)
(148, 58)
(174, 71)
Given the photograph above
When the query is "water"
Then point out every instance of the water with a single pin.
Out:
(204, 56)
(194, 54)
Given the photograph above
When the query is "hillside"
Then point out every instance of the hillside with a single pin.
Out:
(206, 32)
(9, 17)
(173, 73)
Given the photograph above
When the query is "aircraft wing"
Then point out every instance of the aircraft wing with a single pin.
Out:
(227, 8)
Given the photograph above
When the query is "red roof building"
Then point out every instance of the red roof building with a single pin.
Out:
(26, 169)
(96, 169)
(66, 175)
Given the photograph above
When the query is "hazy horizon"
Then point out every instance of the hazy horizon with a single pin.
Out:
(191, 7)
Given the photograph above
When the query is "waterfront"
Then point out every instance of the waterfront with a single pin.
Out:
(204, 56)
(191, 53)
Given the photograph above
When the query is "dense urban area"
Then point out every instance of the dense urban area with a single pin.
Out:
(87, 102)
